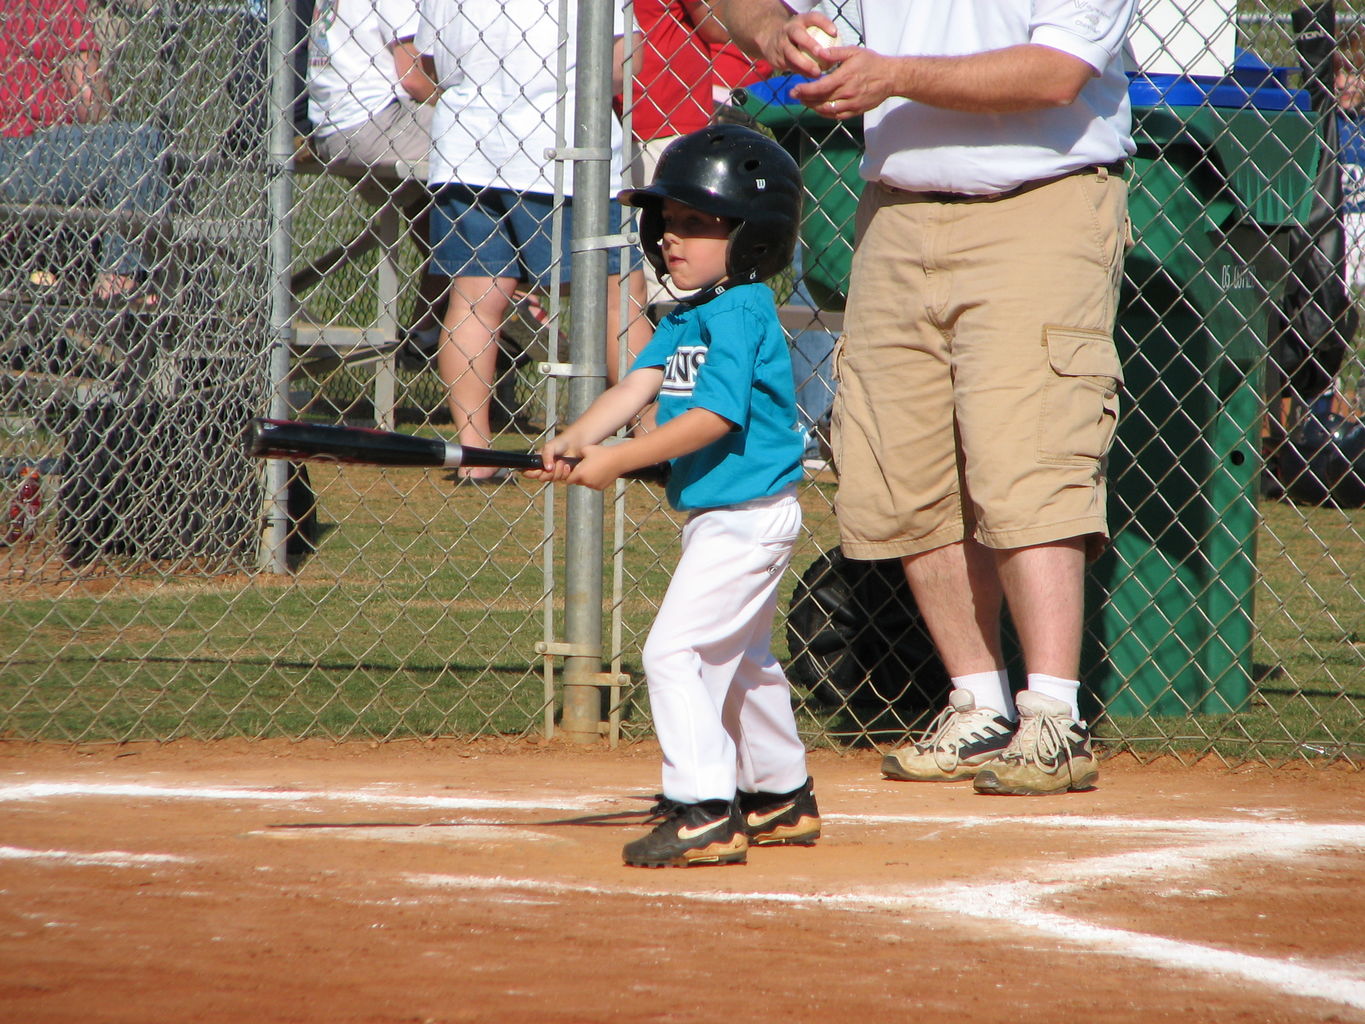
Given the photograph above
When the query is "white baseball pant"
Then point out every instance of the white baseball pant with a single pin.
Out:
(721, 703)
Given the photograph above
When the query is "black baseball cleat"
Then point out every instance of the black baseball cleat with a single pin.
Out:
(711, 832)
(781, 819)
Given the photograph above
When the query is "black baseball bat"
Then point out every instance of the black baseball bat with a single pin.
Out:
(319, 442)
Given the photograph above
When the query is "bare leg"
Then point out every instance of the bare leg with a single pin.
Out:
(111, 286)
(1045, 588)
(958, 593)
(468, 356)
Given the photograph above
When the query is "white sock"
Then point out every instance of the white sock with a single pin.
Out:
(1065, 690)
(991, 690)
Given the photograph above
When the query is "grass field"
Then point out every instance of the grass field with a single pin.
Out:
(420, 612)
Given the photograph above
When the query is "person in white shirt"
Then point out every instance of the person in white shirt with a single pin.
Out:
(365, 123)
(493, 68)
(977, 376)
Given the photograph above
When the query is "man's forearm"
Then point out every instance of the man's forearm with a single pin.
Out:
(87, 87)
(706, 21)
(1015, 79)
(1012, 80)
(416, 73)
(751, 23)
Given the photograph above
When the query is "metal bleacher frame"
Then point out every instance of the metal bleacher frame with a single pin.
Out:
(318, 347)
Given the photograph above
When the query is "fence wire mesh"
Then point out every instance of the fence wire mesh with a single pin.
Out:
(142, 204)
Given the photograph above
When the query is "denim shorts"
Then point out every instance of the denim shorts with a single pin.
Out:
(498, 232)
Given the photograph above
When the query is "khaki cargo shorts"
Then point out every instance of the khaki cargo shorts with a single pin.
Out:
(977, 375)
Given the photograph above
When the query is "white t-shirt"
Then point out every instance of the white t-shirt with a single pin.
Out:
(497, 62)
(923, 148)
(351, 74)
(1352, 144)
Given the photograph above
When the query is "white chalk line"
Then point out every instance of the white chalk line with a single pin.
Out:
(1232, 827)
(1019, 904)
(476, 883)
(100, 858)
(48, 790)
(369, 797)
(462, 833)
(588, 801)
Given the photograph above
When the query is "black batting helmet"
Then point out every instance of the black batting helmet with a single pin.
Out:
(729, 171)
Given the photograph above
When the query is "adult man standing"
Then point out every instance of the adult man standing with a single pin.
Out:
(977, 377)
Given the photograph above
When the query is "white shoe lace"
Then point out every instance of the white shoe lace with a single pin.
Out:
(945, 734)
(1040, 739)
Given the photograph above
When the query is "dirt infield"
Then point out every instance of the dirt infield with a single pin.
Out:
(410, 882)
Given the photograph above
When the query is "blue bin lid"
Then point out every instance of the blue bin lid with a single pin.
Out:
(776, 90)
(1253, 83)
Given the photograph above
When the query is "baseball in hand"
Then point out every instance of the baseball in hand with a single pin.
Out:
(821, 38)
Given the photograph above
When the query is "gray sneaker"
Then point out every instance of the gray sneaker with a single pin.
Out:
(956, 745)
(1050, 753)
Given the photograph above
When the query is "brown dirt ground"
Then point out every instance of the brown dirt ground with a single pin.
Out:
(414, 882)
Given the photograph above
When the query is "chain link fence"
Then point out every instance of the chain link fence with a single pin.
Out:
(187, 243)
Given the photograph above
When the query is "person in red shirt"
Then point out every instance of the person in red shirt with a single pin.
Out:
(58, 144)
(684, 65)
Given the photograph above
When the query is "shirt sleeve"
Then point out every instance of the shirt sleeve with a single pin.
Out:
(399, 18)
(657, 350)
(70, 28)
(424, 38)
(1092, 30)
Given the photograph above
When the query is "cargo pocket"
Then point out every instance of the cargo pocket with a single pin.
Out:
(1080, 401)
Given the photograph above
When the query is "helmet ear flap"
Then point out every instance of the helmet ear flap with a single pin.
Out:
(761, 247)
(651, 236)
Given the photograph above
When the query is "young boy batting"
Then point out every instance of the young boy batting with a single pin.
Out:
(721, 216)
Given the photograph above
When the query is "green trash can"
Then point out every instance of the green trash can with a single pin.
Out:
(1224, 168)
(829, 153)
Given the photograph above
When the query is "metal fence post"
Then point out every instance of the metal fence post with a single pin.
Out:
(274, 542)
(582, 711)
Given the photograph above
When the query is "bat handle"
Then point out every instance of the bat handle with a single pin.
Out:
(657, 473)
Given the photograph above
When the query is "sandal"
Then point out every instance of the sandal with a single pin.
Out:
(494, 478)
(113, 289)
